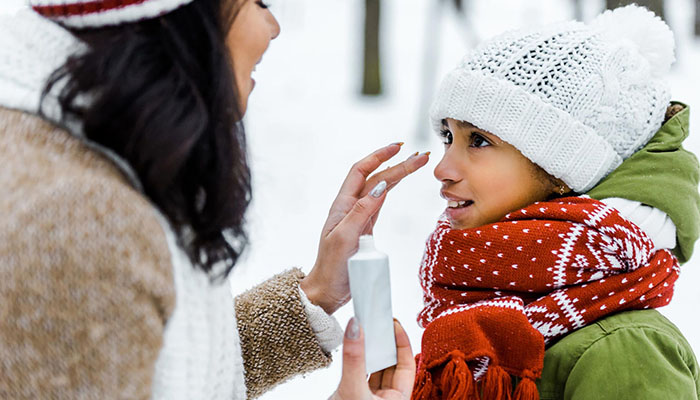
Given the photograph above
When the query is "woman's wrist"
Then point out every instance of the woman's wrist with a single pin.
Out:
(316, 293)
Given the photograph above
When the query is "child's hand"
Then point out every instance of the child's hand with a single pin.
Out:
(353, 214)
(393, 383)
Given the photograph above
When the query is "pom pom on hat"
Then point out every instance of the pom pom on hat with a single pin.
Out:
(649, 33)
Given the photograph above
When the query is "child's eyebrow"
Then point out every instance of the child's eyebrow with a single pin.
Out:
(461, 124)
(466, 125)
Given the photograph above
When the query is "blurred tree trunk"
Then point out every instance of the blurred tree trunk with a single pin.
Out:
(578, 10)
(697, 17)
(657, 6)
(431, 53)
(372, 77)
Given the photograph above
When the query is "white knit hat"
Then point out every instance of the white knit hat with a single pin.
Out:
(99, 13)
(574, 98)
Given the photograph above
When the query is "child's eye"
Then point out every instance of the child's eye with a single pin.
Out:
(446, 136)
(478, 141)
(262, 5)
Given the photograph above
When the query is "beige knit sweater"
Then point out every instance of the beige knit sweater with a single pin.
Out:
(86, 285)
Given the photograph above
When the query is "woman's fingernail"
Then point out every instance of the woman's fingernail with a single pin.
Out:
(397, 144)
(352, 332)
(427, 153)
(378, 190)
(412, 155)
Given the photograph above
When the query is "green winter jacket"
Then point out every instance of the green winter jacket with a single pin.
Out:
(637, 354)
(631, 355)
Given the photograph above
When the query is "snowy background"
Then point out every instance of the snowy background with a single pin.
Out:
(307, 124)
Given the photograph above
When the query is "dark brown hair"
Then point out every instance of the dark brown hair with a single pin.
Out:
(163, 97)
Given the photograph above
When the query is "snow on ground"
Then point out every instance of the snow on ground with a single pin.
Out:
(307, 125)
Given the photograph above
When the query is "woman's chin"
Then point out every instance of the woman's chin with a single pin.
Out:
(244, 92)
(243, 105)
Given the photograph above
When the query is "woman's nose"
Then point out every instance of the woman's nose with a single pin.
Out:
(274, 26)
(447, 169)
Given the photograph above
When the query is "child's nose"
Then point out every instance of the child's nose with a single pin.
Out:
(447, 169)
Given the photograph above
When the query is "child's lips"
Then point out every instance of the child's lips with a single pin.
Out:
(457, 213)
(458, 203)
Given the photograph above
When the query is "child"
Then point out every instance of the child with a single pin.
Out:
(523, 280)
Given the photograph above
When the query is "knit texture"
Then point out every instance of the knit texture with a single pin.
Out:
(32, 48)
(573, 98)
(113, 315)
(494, 295)
(101, 13)
(201, 353)
(325, 327)
(85, 279)
(266, 315)
(654, 222)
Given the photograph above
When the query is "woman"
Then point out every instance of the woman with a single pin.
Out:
(125, 184)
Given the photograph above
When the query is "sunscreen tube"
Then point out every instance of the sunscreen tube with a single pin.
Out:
(370, 287)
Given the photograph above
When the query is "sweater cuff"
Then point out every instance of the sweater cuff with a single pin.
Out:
(277, 340)
(325, 327)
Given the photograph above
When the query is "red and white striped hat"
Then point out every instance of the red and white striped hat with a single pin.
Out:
(99, 13)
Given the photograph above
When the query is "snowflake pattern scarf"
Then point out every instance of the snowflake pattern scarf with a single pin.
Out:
(496, 294)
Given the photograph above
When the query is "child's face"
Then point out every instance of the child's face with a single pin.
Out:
(484, 178)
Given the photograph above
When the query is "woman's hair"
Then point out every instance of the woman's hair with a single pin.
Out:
(162, 96)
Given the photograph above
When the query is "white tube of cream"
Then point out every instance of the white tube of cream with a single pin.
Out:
(370, 287)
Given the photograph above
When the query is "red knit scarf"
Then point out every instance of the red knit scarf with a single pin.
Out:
(494, 295)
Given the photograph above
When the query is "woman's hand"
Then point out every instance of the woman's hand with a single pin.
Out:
(353, 214)
(395, 383)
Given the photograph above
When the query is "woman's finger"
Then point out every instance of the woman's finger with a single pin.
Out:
(405, 371)
(346, 198)
(375, 380)
(392, 176)
(356, 220)
(355, 181)
(388, 378)
(353, 383)
(395, 174)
